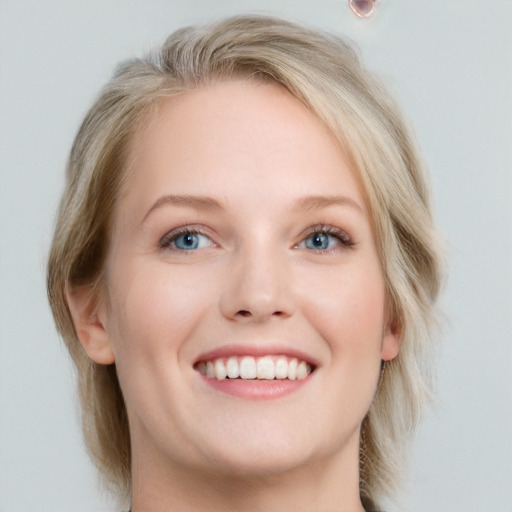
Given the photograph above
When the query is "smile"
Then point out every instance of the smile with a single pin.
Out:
(268, 367)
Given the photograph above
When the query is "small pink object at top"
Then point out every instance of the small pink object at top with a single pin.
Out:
(363, 8)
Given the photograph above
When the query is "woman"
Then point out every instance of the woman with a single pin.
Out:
(245, 271)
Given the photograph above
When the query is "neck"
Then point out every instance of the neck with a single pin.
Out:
(328, 484)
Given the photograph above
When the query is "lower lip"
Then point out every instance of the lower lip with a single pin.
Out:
(256, 389)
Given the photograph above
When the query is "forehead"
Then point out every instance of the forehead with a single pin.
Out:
(232, 136)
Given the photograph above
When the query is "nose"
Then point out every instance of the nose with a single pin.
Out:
(258, 287)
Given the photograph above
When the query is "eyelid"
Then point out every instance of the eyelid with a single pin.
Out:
(173, 234)
(344, 238)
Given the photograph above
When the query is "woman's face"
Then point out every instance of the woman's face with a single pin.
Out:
(243, 245)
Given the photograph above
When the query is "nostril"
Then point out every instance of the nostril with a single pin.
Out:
(247, 314)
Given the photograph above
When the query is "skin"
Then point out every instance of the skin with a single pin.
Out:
(259, 156)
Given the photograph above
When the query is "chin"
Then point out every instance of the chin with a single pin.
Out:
(261, 462)
(269, 449)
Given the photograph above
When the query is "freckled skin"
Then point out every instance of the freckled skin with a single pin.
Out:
(255, 279)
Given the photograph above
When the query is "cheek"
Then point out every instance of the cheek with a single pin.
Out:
(155, 309)
(349, 316)
(349, 311)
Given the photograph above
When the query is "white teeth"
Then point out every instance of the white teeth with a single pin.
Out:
(292, 369)
(232, 368)
(265, 368)
(281, 368)
(302, 370)
(220, 370)
(249, 368)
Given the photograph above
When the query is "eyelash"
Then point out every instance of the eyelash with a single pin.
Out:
(169, 238)
(321, 229)
(326, 229)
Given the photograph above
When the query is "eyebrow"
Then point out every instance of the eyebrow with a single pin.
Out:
(208, 204)
(201, 203)
(309, 203)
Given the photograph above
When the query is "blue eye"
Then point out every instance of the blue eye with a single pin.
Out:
(326, 239)
(188, 241)
(321, 241)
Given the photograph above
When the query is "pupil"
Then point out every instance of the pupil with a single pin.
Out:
(189, 240)
(319, 240)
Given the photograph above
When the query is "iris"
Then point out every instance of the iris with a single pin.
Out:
(190, 241)
(320, 241)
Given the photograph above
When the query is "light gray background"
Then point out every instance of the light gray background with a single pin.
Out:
(449, 62)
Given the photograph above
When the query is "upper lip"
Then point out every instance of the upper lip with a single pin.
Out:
(226, 351)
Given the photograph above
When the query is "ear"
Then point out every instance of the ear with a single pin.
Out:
(391, 340)
(89, 315)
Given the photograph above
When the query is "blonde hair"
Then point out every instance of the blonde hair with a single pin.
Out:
(324, 73)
